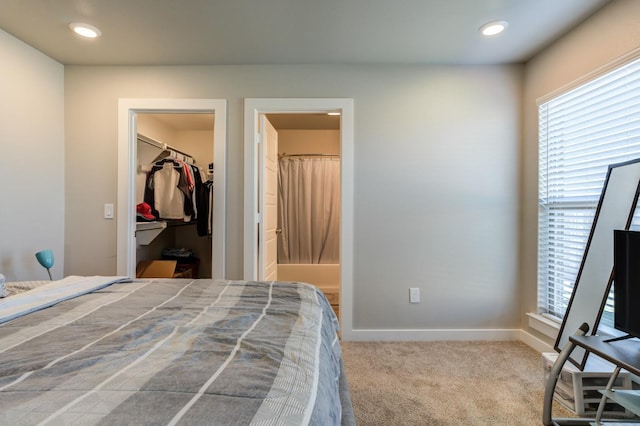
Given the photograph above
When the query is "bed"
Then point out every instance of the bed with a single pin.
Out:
(106, 350)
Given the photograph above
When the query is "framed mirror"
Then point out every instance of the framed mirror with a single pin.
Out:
(593, 282)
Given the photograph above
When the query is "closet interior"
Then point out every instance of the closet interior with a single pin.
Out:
(174, 195)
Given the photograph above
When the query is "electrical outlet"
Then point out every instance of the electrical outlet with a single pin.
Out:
(414, 295)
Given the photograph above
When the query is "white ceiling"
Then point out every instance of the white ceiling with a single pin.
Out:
(217, 32)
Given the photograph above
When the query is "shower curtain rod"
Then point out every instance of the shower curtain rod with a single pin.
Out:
(308, 155)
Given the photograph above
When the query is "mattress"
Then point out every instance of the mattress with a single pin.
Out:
(172, 351)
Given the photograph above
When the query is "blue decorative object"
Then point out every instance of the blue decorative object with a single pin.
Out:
(45, 258)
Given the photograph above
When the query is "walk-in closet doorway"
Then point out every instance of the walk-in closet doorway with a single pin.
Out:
(174, 222)
(136, 114)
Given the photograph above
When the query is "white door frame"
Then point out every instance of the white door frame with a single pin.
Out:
(252, 110)
(127, 153)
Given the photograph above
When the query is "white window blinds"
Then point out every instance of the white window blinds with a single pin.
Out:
(581, 133)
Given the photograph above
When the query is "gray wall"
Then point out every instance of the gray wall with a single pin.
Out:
(436, 168)
(32, 163)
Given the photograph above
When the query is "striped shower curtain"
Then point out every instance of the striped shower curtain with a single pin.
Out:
(309, 209)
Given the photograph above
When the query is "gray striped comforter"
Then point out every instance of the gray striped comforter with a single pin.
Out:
(187, 352)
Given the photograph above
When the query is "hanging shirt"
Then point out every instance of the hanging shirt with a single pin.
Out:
(167, 192)
(169, 200)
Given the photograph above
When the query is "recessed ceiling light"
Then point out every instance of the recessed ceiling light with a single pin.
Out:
(85, 30)
(493, 28)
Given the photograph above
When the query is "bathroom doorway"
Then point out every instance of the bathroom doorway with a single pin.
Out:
(307, 232)
(256, 110)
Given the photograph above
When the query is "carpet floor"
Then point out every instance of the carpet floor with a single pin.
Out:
(445, 383)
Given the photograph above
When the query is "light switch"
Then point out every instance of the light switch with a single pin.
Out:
(108, 211)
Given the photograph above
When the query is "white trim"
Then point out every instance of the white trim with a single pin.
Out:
(536, 343)
(452, 335)
(544, 325)
(252, 110)
(127, 136)
(436, 334)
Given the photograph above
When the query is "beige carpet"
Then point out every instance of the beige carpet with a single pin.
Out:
(445, 383)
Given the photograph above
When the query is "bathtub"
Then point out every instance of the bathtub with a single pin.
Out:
(323, 275)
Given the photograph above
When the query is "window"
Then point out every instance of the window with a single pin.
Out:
(581, 132)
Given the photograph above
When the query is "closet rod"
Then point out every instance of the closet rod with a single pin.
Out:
(160, 145)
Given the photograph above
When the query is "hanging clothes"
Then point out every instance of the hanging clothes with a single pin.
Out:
(204, 196)
(205, 207)
(178, 190)
(169, 200)
(168, 191)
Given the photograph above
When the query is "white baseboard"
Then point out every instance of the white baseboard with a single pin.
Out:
(455, 334)
(432, 335)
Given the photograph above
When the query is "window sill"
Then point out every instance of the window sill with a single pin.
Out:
(544, 325)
